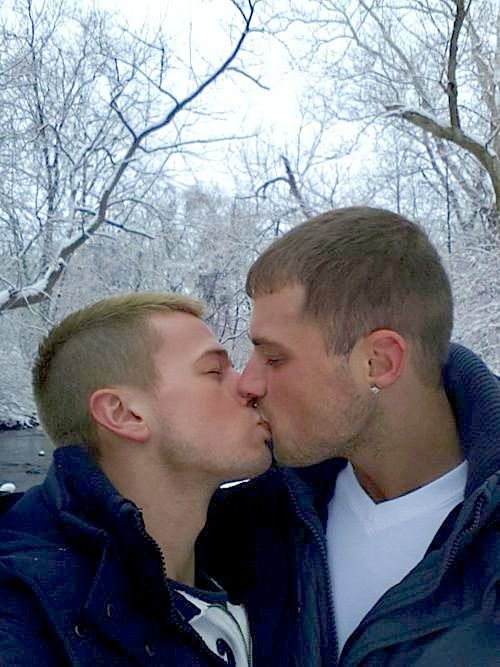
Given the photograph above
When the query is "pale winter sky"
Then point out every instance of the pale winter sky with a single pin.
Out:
(204, 24)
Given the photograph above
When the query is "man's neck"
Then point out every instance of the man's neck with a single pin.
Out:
(174, 508)
(413, 447)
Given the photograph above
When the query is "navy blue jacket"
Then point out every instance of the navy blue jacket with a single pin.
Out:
(72, 540)
(82, 583)
(446, 611)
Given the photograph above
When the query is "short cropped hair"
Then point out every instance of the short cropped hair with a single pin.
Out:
(109, 342)
(364, 269)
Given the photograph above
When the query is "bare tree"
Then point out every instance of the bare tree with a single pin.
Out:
(430, 65)
(92, 115)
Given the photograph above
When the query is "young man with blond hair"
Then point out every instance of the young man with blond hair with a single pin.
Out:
(98, 565)
(379, 543)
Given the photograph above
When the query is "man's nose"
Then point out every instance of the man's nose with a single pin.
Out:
(252, 382)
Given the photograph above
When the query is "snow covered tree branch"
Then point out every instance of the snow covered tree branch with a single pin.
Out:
(488, 159)
(81, 107)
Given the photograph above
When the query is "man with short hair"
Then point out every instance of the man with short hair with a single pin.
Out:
(382, 546)
(98, 564)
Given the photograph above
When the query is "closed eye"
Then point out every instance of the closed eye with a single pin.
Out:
(273, 361)
(214, 362)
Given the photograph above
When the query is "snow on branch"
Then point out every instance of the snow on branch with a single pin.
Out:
(485, 155)
(118, 225)
(42, 287)
(38, 291)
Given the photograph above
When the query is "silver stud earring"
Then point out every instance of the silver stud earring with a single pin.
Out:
(374, 389)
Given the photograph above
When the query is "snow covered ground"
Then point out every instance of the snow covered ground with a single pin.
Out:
(20, 459)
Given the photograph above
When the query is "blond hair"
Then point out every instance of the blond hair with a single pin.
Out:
(109, 342)
(364, 269)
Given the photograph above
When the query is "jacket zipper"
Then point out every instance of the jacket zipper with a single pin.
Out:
(177, 620)
(320, 539)
(472, 528)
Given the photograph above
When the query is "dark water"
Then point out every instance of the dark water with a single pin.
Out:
(20, 461)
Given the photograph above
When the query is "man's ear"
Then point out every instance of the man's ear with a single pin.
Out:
(386, 354)
(115, 409)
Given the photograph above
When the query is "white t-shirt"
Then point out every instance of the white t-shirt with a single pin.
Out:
(223, 626)
(373, 546)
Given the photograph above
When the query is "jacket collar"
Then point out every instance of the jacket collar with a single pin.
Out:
(474, 394)
(94, 515)
(77, 487)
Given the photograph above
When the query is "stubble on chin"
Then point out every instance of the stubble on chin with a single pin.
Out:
(361, 424)
(301, 454)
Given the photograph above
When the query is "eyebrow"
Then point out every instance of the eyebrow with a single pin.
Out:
(219, 351)
(260, 340)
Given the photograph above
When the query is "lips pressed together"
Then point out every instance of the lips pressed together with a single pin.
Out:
(267, 427)
(263, 421)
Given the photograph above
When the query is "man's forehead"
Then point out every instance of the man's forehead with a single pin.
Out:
(186, 334)
(278, 320)
(276, 309)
